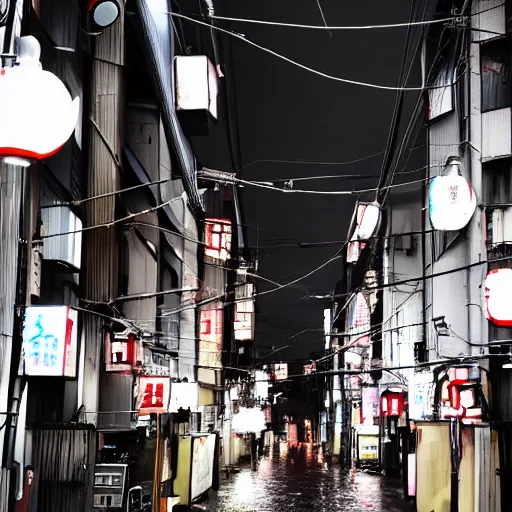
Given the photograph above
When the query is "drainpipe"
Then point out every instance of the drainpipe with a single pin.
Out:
(424, 244)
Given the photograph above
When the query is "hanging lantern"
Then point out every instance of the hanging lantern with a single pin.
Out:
(497, 308)
(38, 112)
(103, 13)
(391, 404)
(452, 200)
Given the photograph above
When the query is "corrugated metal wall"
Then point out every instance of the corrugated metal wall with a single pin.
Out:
(101, 245)
(492, 19)
(142, 277)
(10, 197)
(63, 460)
(496, 133)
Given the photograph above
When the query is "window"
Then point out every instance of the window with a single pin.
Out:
(440, 97)
(497, 182)
(496, 75)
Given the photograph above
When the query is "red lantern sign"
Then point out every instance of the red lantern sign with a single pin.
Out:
(391, 404)
(38, 112)
(497, 301)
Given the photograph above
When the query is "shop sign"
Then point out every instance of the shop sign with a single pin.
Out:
(248, 420)
(184, 395)
(50, 341)
(391, 404)
(210, 336)
(38, 113)
(218, 238)
(452, 202)
(153, 397)
(196, 84)
(370, 403)
(203, 456)
(497, 297)
(281, 371)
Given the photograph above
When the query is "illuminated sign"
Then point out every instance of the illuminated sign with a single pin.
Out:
(50, 341)
(153, 395)
(119, 353)
(248, 420)
(369, 403)
(196, 84)
(309, 368)
(184, 395)
(497, 297)
(281, 371)
(38, 111)
(366, 220)
(210, 336)
(218, 238)
(391, 404)
(244, 312)
(452, 202)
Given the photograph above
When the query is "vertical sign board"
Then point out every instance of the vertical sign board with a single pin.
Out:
(50, 341)
(203, 458)
(210, 337)
(153, 396)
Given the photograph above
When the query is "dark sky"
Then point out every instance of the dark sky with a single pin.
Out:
(287, 113)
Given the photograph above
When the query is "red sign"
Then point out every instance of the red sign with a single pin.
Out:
(391, 404)
(153, 395)
(210, 338)
(218, 238)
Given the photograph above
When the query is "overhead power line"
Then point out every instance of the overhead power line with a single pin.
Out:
(303, 66)
(229, 178)
(329, 27)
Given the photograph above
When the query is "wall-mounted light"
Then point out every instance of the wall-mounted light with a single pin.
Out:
(452, 200)
(103, 13)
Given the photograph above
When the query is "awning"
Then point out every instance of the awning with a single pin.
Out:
(156, 32)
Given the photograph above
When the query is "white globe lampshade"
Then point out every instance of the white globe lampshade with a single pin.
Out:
(452, 202)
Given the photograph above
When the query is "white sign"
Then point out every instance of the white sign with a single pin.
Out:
(203, 457)
(184, 395)
(452, 202)
(50, 341)
(38, 113)
(196, 86)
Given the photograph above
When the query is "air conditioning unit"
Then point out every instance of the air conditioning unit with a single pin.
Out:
(502, 226)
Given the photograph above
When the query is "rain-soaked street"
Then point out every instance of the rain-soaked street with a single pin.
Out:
(282, 483)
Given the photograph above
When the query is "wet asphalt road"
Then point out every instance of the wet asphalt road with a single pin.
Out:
(283, 483)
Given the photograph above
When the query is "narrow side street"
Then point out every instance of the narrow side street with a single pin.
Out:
(284, 483)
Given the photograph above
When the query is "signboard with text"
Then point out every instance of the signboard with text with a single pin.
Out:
(50, 341)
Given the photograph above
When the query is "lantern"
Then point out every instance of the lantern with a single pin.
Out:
(452, 200)
(103, 13)
(497, 301)
(38, 112)
(391, 404)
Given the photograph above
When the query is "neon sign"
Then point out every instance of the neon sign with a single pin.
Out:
(50, 341)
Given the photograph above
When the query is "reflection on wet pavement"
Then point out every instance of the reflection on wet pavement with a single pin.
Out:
(285, 483)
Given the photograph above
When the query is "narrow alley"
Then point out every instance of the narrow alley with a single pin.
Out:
(282, 482)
